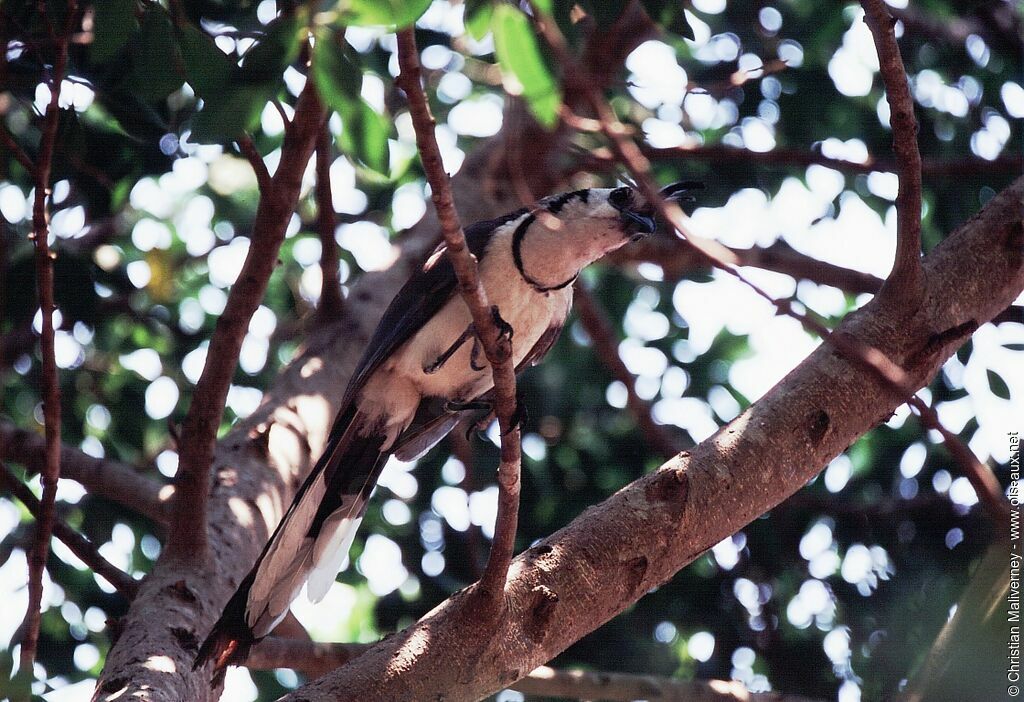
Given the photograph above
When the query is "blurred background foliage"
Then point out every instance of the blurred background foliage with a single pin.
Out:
(839, 592)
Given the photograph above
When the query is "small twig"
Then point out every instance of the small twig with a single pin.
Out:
(599, 328)
(497, 347)
(331, 302)
(982, 479)
(50, 386)
(906, 281)
(603, 159)
(259, 167)
(104, 477)
(79, 545)
(280, 110)
(676, 258)
(16, 151)
(188, 540)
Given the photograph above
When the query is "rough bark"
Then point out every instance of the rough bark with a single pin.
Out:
(615, 552)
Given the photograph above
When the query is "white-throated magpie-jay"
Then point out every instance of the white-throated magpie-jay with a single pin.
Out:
(421, 369)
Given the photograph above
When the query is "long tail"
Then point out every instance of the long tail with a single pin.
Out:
(309, 545)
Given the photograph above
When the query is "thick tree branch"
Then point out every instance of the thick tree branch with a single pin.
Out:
(497, 345)
(50, 390)
(331, 301)
(199, 431)
(606, 346)
(904, 283)
(614, 553)
(112, 480)
(79, 545)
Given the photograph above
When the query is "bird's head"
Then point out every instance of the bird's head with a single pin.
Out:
(572, 230)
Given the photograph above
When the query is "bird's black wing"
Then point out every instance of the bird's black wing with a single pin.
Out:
(422, 296)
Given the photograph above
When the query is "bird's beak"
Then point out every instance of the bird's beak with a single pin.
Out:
(679, 192)
(637, 222)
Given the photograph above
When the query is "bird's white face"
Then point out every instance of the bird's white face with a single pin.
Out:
(572, 230)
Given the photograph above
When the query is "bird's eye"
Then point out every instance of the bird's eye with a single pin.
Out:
(620, 198)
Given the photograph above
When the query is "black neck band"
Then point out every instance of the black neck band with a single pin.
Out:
(517, 256)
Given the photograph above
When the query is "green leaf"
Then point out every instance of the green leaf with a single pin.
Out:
(154, 74)
(336, 72)
(478, 17)
(207, 69)
(670, 15)
(236, 110)
(522, 65)
(267, 60)
(364, 135)
(391, 13)
(115, 23)
(998, 386)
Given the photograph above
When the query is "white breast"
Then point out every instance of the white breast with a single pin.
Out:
(401, 382)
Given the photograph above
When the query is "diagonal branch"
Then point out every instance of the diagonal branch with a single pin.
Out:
(497, 346)
(677, 258)
(904, 283)
(984, 482)
(19, 153)
(935, 167)
(79, 545)
(259, 166)
(199, 431)
(104, 477)
(50, 390)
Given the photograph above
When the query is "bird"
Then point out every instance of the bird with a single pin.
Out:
(422, 371)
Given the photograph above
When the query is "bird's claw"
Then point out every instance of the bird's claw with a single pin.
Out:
(504, 328)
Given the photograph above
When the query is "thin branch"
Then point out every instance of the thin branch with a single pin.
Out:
(603, 159)
(16, 151)
(50, 390)
(199, 430)
(602, 334)
(905, 281)
(497, 346)
(79, 545)
(677, 258)
(259, 166)
(315, 659)
(331, 301)
(104, 477)
(625, 687)
(984, 482)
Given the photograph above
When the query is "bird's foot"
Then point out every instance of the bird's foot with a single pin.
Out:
(450, 351)
(504, 328)
(519, 415)
(473, 405)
